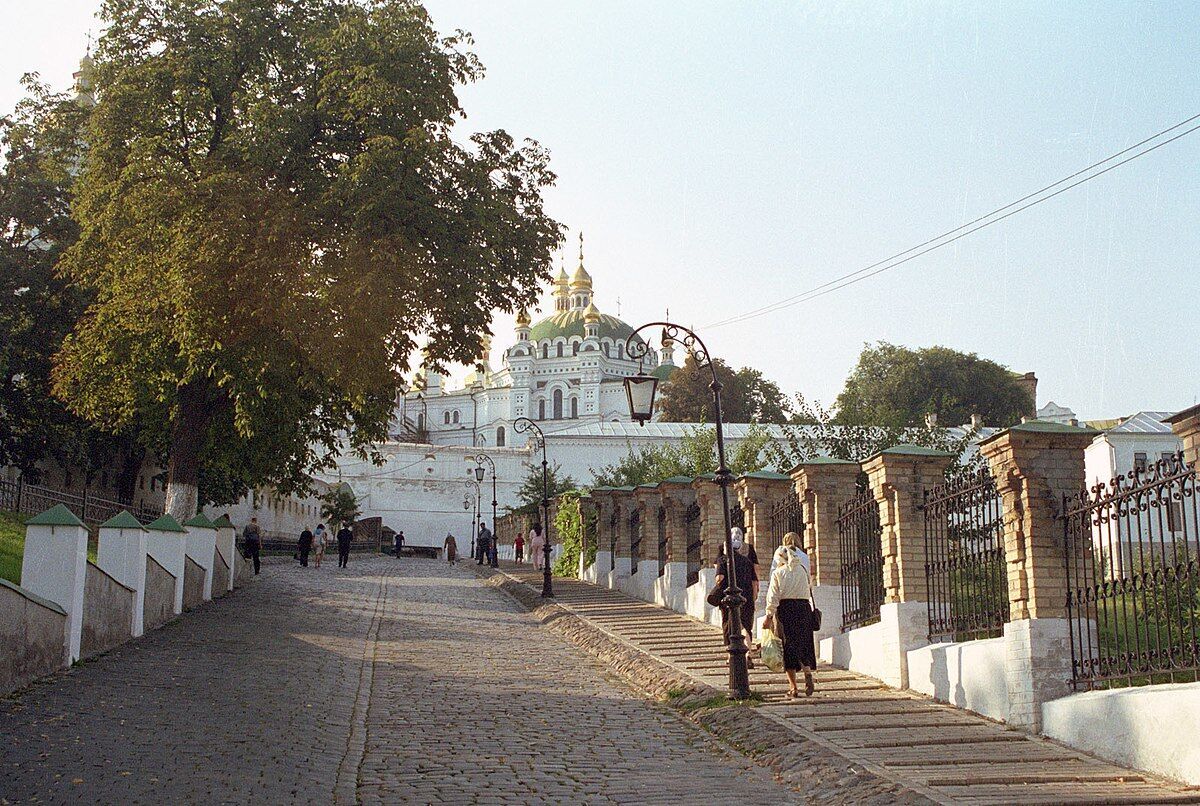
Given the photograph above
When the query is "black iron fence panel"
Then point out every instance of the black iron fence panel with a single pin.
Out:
(964, 567)
(737, 517)
(786, 516)
(861, 554)
(30, 499)
(1133, 578)
(662, 541)
(613, 527)
(635, 540)
(691, 528)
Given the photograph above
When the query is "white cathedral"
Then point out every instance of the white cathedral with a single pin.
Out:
(564, 371)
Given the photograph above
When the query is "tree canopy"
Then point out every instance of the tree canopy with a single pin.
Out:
(529, 495)
(746, 396)
(272, 210)
(695, 455)
(894, 386)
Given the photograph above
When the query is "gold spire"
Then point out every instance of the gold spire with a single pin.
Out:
(591, 314)
(580, 279)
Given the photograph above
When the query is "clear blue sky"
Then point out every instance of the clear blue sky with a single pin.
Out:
(728, 154)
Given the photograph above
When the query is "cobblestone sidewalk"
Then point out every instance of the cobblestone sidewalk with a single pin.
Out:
(389, 681)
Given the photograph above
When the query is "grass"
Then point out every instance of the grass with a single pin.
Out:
(12, 546)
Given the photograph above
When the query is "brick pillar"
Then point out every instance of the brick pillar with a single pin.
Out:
(898, 477)
(647, 500)
(712, 518)
(1034, 465)
(823, 485)
(587, 537)
(603, 501)
(757, 493)
(677, 496)
(622, 502)
(1186, 425)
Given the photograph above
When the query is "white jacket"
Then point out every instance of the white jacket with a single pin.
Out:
(787, 582)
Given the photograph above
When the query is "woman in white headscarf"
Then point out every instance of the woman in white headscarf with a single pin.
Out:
(790, 614)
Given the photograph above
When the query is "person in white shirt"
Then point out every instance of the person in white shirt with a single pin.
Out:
(789, 614)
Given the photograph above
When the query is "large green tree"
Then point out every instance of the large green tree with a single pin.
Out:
(894, 386)
(695, 455)
(40, 148)
(746, 396)
(272, 210)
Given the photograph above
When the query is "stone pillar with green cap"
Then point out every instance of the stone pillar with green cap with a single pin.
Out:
(166, 542)
(898, 477)
(54, 567)
(823, 484)
(202, 547)
(677, 497)
(1035, 464)
(227, 549)
(121, 553)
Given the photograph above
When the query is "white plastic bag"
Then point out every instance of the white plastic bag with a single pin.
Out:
(772, 651)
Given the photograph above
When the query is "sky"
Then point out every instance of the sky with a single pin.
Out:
(721, 156)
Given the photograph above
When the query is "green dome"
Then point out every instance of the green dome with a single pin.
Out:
(570, 323)
(663, 371)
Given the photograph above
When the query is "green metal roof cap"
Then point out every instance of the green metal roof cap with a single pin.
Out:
(200, 521)
(648, 486)
(677, 480)
(1044, 427)
(122, 520)
(166, 524)
(905, 449)
(624, 489)
(57, 515)
(223, 522)
(766, 474)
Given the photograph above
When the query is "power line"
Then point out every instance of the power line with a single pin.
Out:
(965, 229)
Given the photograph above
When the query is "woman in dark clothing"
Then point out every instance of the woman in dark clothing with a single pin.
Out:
(305, 546)
(789, 614)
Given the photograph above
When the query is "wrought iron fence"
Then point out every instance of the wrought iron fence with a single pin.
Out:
(786, 516)
(614, 526)
(1133, 578)
(635, 540)
(737, 517)
(861, 555)
(964, 568)
(662, 541)
(691, 528)
(30, 499)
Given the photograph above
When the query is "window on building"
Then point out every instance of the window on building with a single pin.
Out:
(1174, 516)
(558, 404)
(446, 418)
(620, 350)
(1167, 456)
(560, 353)
(500, 437)
(604, 349)
(541, 409)
(456, 418)
(420, 422)
(1139, 462)
(545, 350)
(574, 408)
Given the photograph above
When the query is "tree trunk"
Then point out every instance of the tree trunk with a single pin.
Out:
(188, 435)
(130, 464)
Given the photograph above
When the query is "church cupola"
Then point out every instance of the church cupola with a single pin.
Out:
(523, 325)
(591, 322)
(85, 81)
(562, 291)
(581, 283)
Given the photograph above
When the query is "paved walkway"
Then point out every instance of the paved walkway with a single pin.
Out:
(393, 680)
(947, 754)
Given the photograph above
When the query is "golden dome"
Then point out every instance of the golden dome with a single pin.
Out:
(523, 319)
(562, 281)
(581, 280)
(591, 314)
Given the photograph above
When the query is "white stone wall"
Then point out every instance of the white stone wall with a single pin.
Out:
(968, 674)
(284, 514)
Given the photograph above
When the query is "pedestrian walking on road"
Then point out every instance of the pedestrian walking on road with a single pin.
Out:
(305, 546)
(747, 581)
(252, 538)
(519, 548)
(537, 544)
(488, 540)
(790, 615)
(451, 547)
(320, 541)
(399, 542)
(483, 548)
(344, 536)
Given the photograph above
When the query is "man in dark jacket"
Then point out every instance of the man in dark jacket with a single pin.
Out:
(305, 546)
(747, 579)
(252, 540)
(344, 536)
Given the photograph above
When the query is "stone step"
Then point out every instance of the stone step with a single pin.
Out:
(1073, 793)
(959, 735)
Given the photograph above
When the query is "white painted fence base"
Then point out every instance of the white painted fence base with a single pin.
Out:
(121, 554)
(1152, 728)
(881, 649)
(54, 567)
(1038, 668)
(968, 674)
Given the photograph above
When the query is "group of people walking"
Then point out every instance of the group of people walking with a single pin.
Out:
(310, 543)
(789, 609)
(486, 548)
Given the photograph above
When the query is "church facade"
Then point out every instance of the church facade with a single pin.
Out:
(565, 370)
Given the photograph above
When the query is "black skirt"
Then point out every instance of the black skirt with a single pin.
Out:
(794, 627)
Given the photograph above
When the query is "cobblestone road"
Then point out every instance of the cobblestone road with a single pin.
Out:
(396, 681)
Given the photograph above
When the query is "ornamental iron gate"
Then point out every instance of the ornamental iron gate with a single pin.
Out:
(691, 528)
(635, 540)
(786, 516)
(662, 541)
(861, 555)
(964, 568)
(1133, 578)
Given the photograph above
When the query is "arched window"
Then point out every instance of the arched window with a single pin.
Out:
(541, 409)
(574, 348)
(604, 347)
(560, 349)
(574, 408)
(420, 422)
(620, 350)
(446, 418)
(500, 437)
(558, 404)
(456, 418)
(545, 350)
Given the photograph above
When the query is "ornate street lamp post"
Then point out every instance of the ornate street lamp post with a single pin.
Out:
(471, 483)
(521, 425)
(479, 474)
(640, 390)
